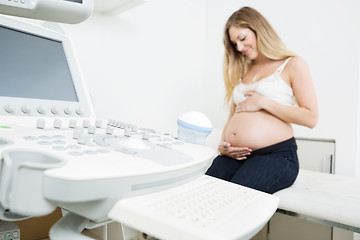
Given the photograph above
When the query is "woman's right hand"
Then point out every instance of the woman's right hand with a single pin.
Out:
(238, 153)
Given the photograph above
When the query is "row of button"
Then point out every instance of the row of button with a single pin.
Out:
(17, 1)
(72, 123)
(127, 129)
(20, 3)
(83, 136)
(122, 125)
(43, 111)
(58, 123)
(86, 130)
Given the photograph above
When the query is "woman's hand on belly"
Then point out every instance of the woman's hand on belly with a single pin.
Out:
(252, 103)
(238, 153)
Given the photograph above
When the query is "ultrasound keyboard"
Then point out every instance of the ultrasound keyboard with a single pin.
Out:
(206, 208)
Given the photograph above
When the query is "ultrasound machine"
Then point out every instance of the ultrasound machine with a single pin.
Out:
(54, 152)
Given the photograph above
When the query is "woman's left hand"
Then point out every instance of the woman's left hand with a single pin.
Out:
(252, 103)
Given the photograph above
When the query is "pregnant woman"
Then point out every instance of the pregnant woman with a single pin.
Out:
(267, 88)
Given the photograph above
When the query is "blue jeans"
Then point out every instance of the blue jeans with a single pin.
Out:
(267, 169)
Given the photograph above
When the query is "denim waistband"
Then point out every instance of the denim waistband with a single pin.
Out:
(287, 143)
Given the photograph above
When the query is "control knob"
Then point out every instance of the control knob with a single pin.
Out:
(25, 109)
(79, 111)
(40, 123)
(9, 109)
(86, 123)
(98, 123)
(54, 110)
(92, 129)
(72, 123)
(40, 110)
(67, 111)
(57, 123)
(77, 132)
(109, 130)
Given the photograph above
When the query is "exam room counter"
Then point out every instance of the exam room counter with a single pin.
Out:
(326, 198)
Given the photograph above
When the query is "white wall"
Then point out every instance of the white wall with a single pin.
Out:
(163, 58)
(144, 66)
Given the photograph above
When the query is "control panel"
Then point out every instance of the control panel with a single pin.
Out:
(80, 138)
(64, 161)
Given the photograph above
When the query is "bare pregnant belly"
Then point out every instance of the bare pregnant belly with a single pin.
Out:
(256, 130)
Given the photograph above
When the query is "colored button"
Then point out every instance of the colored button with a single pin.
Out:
(8, 235)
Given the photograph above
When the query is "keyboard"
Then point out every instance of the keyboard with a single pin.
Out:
(205, 208)
(204, 202)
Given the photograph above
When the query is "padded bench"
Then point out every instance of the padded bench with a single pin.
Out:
(325, 198)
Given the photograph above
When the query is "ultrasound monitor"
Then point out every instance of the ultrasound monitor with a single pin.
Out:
(39, 74)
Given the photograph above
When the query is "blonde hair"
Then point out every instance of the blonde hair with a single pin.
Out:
(236, 65)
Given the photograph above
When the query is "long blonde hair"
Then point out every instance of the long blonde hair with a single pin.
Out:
(236, 65)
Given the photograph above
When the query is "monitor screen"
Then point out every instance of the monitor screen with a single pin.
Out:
(34, 67)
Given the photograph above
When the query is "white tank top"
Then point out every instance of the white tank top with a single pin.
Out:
(272, 86)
